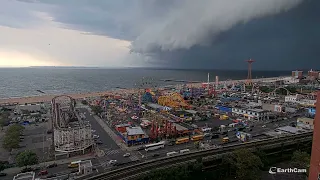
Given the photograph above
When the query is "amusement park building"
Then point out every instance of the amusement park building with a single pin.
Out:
(305, 123)
(132, 135)
(224, 108)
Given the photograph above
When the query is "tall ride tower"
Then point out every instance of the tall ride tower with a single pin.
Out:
(249, 78)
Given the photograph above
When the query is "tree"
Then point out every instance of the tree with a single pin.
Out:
(265, 89)
(10, 142)
(12, 137)
(263, 156)
(26, 158)
(300, 160)
(84, 102)
(96, 109)
(245, 164)
(16, 128)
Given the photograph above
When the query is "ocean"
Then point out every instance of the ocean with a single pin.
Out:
(21, 82)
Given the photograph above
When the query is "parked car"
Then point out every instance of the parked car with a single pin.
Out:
(155, 155)
(3, 174)
(126, 155)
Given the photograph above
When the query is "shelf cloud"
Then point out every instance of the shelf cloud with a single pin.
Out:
(197, 22)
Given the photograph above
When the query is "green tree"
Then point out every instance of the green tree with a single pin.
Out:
(12, 137)
(245, 164)
(10, 142)
(300, 160)
(265, 89)
(263, 156)
(15, 129)
(96, 109)
(84, 102)
(26, 158)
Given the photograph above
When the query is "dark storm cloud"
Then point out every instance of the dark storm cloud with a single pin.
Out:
(204, 33)
(287, 41)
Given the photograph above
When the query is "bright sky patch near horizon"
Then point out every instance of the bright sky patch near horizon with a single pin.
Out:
(30, 37)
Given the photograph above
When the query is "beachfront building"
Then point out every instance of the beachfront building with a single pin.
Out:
(273, 107)
(299, 99)
(292, 98)
(305, 123)
(29, 107)
(251, 114)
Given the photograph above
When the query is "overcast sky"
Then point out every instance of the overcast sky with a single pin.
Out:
(278, 34)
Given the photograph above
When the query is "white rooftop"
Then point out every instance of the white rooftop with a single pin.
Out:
(290, 129)
(134, 131)
(155, 106)
(257, 110)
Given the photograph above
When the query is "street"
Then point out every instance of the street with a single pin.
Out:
(109, 146)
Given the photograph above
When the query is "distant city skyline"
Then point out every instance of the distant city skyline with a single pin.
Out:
(207, 34)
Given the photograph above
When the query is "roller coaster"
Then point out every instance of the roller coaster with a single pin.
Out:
(174, 100)
(144, 167)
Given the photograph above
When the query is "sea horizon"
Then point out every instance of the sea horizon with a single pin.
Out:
(24, 82)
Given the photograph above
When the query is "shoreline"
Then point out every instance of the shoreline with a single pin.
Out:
(48, 98)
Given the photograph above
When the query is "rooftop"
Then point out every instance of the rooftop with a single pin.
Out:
(289, 129)
(155, 106)
(257, 110)
(134, 131)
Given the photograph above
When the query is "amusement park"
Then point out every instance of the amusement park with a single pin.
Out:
(195, 112)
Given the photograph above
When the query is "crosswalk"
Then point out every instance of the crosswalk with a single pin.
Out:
(111, 152)
(133, 158)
